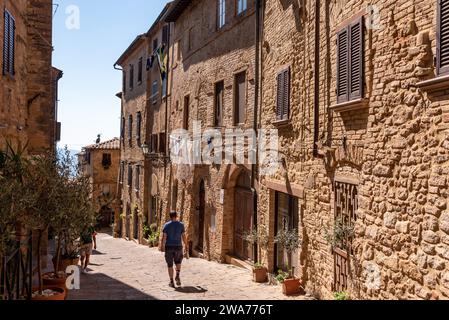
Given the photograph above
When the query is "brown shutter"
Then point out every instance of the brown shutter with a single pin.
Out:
(443, 37)
(280, 99)
(12, 37)
(6, 43)
(342, 66)
(356, 60)
(286, 95)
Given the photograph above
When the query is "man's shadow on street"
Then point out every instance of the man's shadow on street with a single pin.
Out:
(191, 289)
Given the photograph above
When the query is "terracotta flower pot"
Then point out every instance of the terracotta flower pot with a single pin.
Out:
(291, 287)
(260, 275)
(50, 280)
(58, 294)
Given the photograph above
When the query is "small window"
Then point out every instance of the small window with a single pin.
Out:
(122, 172)
(137, 180)
(162, 143)
(240, 98)
(130, 130)
(131, 77)
(218, 110)
(130, 175)
(122, 129)
(138, 128)
(283, 95)
(140, 71)
(154, 92)
(124, 82)
(9, 39)
(165, 34)
(221, 14)
(186, 112)
(154, 143)
(350, 62)
(155, 44)
(107, 160)
(164, 87)
(242, 5)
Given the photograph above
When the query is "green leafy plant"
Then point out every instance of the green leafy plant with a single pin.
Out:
(341, 295)
(154, 238)
(282, 276)
(340, 233)
(260, 239)
(146, 231)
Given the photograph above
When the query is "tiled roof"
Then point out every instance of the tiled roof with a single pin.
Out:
(113, 144)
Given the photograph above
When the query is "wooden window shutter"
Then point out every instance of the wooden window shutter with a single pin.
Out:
(12, 44)
(443, 37)
(342, 66)
(356, 60)
(280, 100)
(286, 95)
(6, 43)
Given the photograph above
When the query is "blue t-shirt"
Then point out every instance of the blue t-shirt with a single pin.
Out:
(174, 231)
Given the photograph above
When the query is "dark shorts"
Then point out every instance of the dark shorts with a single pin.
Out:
(173, 255)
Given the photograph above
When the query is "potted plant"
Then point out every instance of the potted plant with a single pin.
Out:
(258, 238)
(289, 240)
(343, 295)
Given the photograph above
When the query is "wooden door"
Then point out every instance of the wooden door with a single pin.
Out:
(201, 213)
(243, 218)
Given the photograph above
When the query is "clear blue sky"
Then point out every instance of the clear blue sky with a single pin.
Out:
(88, 105)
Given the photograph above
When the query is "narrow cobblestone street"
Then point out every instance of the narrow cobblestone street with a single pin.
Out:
(123, 270)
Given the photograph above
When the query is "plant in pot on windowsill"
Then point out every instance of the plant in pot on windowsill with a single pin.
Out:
(258, 238)
(339, 234)
(289, 240)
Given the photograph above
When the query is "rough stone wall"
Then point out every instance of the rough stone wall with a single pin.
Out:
(203, 56)
(102, 177)
(396, 146)
(134, 101)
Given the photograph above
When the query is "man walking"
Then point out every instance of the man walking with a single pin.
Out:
(88, 242)
(173, 237)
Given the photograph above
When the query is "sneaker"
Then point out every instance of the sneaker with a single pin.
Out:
(178, 281)
(172, 284)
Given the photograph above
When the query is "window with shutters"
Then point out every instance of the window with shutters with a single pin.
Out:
(240, 98)
(221, 14)
(137, 180)
(154, 92)
(107, 161)
(165, 34)
(124, 82)
(130, 175)
(283, 95)
(443, 38)
(9, 35)
(162, 143)
(122, 130)
(185, 121)
(138, 127)
(218, 110)
(154, 143)
(131, 77)
(130, 130)
(122, 172)
(140, 71)
(350, 62)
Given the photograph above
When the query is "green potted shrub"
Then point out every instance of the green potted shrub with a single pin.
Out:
(289, 240)
(258, 238)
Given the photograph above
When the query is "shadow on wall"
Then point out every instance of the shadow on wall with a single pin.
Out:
(298, 8)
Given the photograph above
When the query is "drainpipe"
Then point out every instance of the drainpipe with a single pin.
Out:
(118, 200)
(316, 108)
(256, 112)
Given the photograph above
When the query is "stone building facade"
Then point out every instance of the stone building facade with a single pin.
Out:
(101, 162)
(28, 83)
(363, 144)
(143, 168)
(212, 73)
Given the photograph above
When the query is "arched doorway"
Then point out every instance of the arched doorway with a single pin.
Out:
(243, 217)
(201, 213)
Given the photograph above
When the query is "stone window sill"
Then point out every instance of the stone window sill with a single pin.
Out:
(282, 123)
(350, 105)
(435, 84)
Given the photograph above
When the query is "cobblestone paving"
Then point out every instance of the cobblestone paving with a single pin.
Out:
(123, 270)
